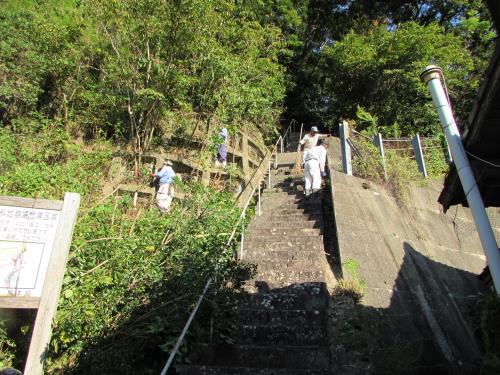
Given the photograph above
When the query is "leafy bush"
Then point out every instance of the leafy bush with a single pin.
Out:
(435, 150)
(488, 330)
(46, 164)
(400, 170)
(7, 346)
(133, 277)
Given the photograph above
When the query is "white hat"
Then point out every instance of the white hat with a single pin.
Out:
(168, 162)
(314, 129)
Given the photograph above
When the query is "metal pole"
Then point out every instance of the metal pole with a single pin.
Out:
(258, 199)
(419, 154)
(431, 76)
(269, 175)
(346, 149)
(242, 234)
(281, 145)
(377, 140)
(276, 157)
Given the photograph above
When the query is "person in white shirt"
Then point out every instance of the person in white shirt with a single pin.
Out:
(314, 167)
(310, 140)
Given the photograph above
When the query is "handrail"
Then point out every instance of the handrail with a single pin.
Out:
(209, 282)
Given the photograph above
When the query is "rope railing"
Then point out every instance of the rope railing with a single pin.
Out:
(241, 218)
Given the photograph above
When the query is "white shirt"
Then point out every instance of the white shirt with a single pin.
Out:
(310, 141)
(317, 153)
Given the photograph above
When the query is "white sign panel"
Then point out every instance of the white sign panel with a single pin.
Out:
(26, 239)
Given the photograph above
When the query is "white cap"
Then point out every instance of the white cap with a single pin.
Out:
(314, 129)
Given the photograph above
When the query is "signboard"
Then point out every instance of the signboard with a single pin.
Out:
(26, 239)
(35, 236)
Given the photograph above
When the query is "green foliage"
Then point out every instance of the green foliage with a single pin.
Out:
(352, 286)
(488, 331)
(367, 121)
(124, 266)
(379, 71)
(116, 68)
(371, 54)
(7, 346)
(46, 164)
(435, 155)
(400, 170)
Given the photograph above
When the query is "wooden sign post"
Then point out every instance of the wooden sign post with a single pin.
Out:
(35, 236)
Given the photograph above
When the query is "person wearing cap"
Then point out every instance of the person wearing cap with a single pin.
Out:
(165, 193)
(311, 140)
(314, 167)
(221, 158)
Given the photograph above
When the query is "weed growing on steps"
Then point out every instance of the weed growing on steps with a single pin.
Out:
(352, 286)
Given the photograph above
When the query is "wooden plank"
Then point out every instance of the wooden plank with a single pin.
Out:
(30, 203)
(13, 302)
(52, 286)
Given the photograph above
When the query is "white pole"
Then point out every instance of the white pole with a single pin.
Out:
(431, 75)
(281, 140)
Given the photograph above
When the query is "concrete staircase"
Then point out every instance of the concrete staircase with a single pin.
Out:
(281, 315)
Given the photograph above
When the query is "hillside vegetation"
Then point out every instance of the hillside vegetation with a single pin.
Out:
(83, 79)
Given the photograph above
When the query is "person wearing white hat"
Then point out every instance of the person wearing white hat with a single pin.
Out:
(310, 140)
(165, 193)
(314, 167)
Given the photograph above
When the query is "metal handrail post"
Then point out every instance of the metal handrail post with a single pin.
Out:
(432, 77)
(242, 234)
(258, 198)
(281, 143)
(269, 175)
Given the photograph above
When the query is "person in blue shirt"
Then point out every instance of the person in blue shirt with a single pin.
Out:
(221, 158)
(165, 193)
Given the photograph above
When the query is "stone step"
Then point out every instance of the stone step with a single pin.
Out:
(279, 278)
(256, 255)
(288, 223)
(285, 188)
(292, 215)
(286, 265)
(295, 357)
(292, 243)
(307, 205)
(296, 317)
(299, 231)
(281, 334)
(268, 280)
(306, 296)
(218, 370)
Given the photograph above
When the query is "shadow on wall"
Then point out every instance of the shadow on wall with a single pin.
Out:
(424, 330)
